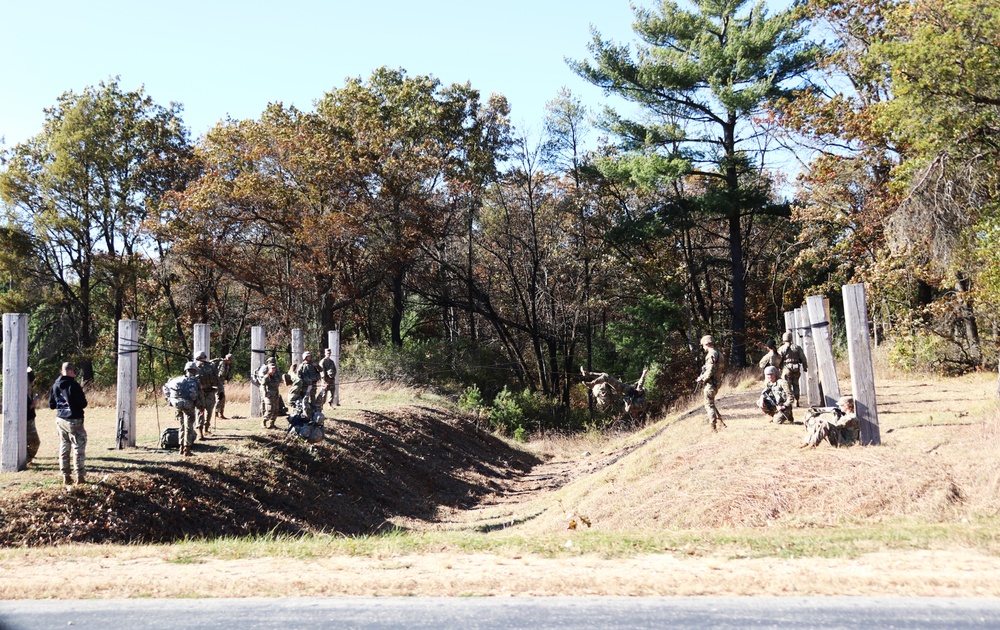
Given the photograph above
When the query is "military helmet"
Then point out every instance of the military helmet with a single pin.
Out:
(707, 339)
(769, 343)
(306, 355)
(271, 361)
(845, 401)
(190, 366)
(201, 356)
(769, 370)
(787, 337)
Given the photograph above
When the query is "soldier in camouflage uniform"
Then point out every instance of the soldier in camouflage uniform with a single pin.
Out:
(793, 362)
(328, 368)
(189, 390)
(270, 379)
(776, 400)
(711, 376)
(302, 396)
(771, 358)
(224, 368)
(842, 429)
(33, 441)
(209, 380)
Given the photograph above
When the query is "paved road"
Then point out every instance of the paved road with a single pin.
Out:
(574, 613)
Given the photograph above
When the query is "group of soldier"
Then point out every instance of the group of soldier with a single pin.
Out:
(200, 395)
(783, 366)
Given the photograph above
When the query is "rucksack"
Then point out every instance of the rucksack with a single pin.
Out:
(177, 393)
(170, 438)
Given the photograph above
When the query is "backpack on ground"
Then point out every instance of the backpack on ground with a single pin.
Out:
(170, 438)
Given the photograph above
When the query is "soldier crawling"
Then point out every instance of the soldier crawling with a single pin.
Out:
(842, 429)
(604, 387)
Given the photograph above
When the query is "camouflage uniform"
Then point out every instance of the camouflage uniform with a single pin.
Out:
(269, 379)
(302, 396)
(776, 400)
(328, 368)
(843, 429)
(602, 387)
(224, 368)
(33, 441)
(793, 362)
(771, 358)
(208, 377)
(711, 376)
(189, 390)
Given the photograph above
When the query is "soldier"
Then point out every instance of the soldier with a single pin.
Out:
(183, 394)
(771, 358)
(776, 400)
(842, 429)
(711, 376)
(33, 441)
(793, 361)
(303, 392)
(604, 387)
(224, 368)
(209, 380)
(328, 368)
(270, 379)
(69, 401)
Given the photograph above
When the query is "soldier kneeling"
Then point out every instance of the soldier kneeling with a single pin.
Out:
(776, 400)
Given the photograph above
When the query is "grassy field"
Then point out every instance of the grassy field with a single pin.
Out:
(669, 509)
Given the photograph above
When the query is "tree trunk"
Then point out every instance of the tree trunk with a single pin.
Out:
(398, 298)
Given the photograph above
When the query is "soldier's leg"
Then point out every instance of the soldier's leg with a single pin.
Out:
(220, 402)
(714, 417)
(33, 441)
(209, 410)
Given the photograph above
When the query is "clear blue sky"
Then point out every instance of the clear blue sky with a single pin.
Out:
(231, 58)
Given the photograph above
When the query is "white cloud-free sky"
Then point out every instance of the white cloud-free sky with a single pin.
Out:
(231, 58)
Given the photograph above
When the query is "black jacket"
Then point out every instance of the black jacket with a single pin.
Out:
(67, 391)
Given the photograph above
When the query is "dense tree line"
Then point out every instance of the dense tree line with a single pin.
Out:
(415, 218)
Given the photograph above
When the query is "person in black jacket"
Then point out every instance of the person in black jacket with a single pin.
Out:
(69, 401)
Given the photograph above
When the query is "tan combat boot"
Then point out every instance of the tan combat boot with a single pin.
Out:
(67, 480)
(201, 433)
(81, 477)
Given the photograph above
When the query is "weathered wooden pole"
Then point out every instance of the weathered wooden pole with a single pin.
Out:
(333, 341)
(128, 378)
(789, 324)
(814, 393)
(202, 340)
(827, 366)
(14, 445)
(298, 345)
(257, 358)
(859, 352)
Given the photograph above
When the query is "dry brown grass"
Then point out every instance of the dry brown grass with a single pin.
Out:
(937, 464)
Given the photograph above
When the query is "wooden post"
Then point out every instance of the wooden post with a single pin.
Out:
(333, 340)
(14, 445)
(202, 340)
(813, 392)
(859, 352)
(298, 345)
(257, 358)
(128, 376)
(827, 367)
(789, 325)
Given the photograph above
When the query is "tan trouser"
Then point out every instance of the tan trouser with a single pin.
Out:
(72, 437)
